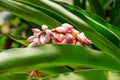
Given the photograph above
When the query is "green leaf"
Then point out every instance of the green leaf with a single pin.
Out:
(56, 55)
(20, 29)
(14, 76)
(86, 75)
(49, 13)
(54, 70)
(77, 3)
(105, 3)
(115, 14)
(97, 8)
(2, 41)
(79, 75)
(19, 39)
(27, 13)
(113, 75)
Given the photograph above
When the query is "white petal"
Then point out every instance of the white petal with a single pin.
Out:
(68, 26)
(44, 27)
(30, 45)
(36, 30)
(61, 29)
(43, 39)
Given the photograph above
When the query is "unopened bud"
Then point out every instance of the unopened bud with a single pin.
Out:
(68, 26)
(30, 39)
(49, 32)
(35, 41)
(69, 38)
(61, 29)
(81, 37)
(35, 30)
(44, 27)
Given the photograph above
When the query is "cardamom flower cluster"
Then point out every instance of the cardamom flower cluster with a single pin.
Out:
(64, 34)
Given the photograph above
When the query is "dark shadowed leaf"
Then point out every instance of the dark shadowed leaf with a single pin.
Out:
(115, 14)
(97, 8)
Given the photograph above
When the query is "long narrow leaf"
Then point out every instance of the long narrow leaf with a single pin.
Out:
(51, 55)
(115, 14)
(27, 13)
(105, 3)
(97, 8)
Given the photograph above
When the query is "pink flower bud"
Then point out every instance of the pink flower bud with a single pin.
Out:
(64, 41)
(61, 36)
(55, 37)
(36, 32)
(68, 26)
(44, 39)
(44, 27)
(81, 37)
(30, 39)
(69, 39)
(61, 29)
(79, 43)
(65, 34)
(47, 38)
(49, 32)
(36, 42)
(54, 41)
